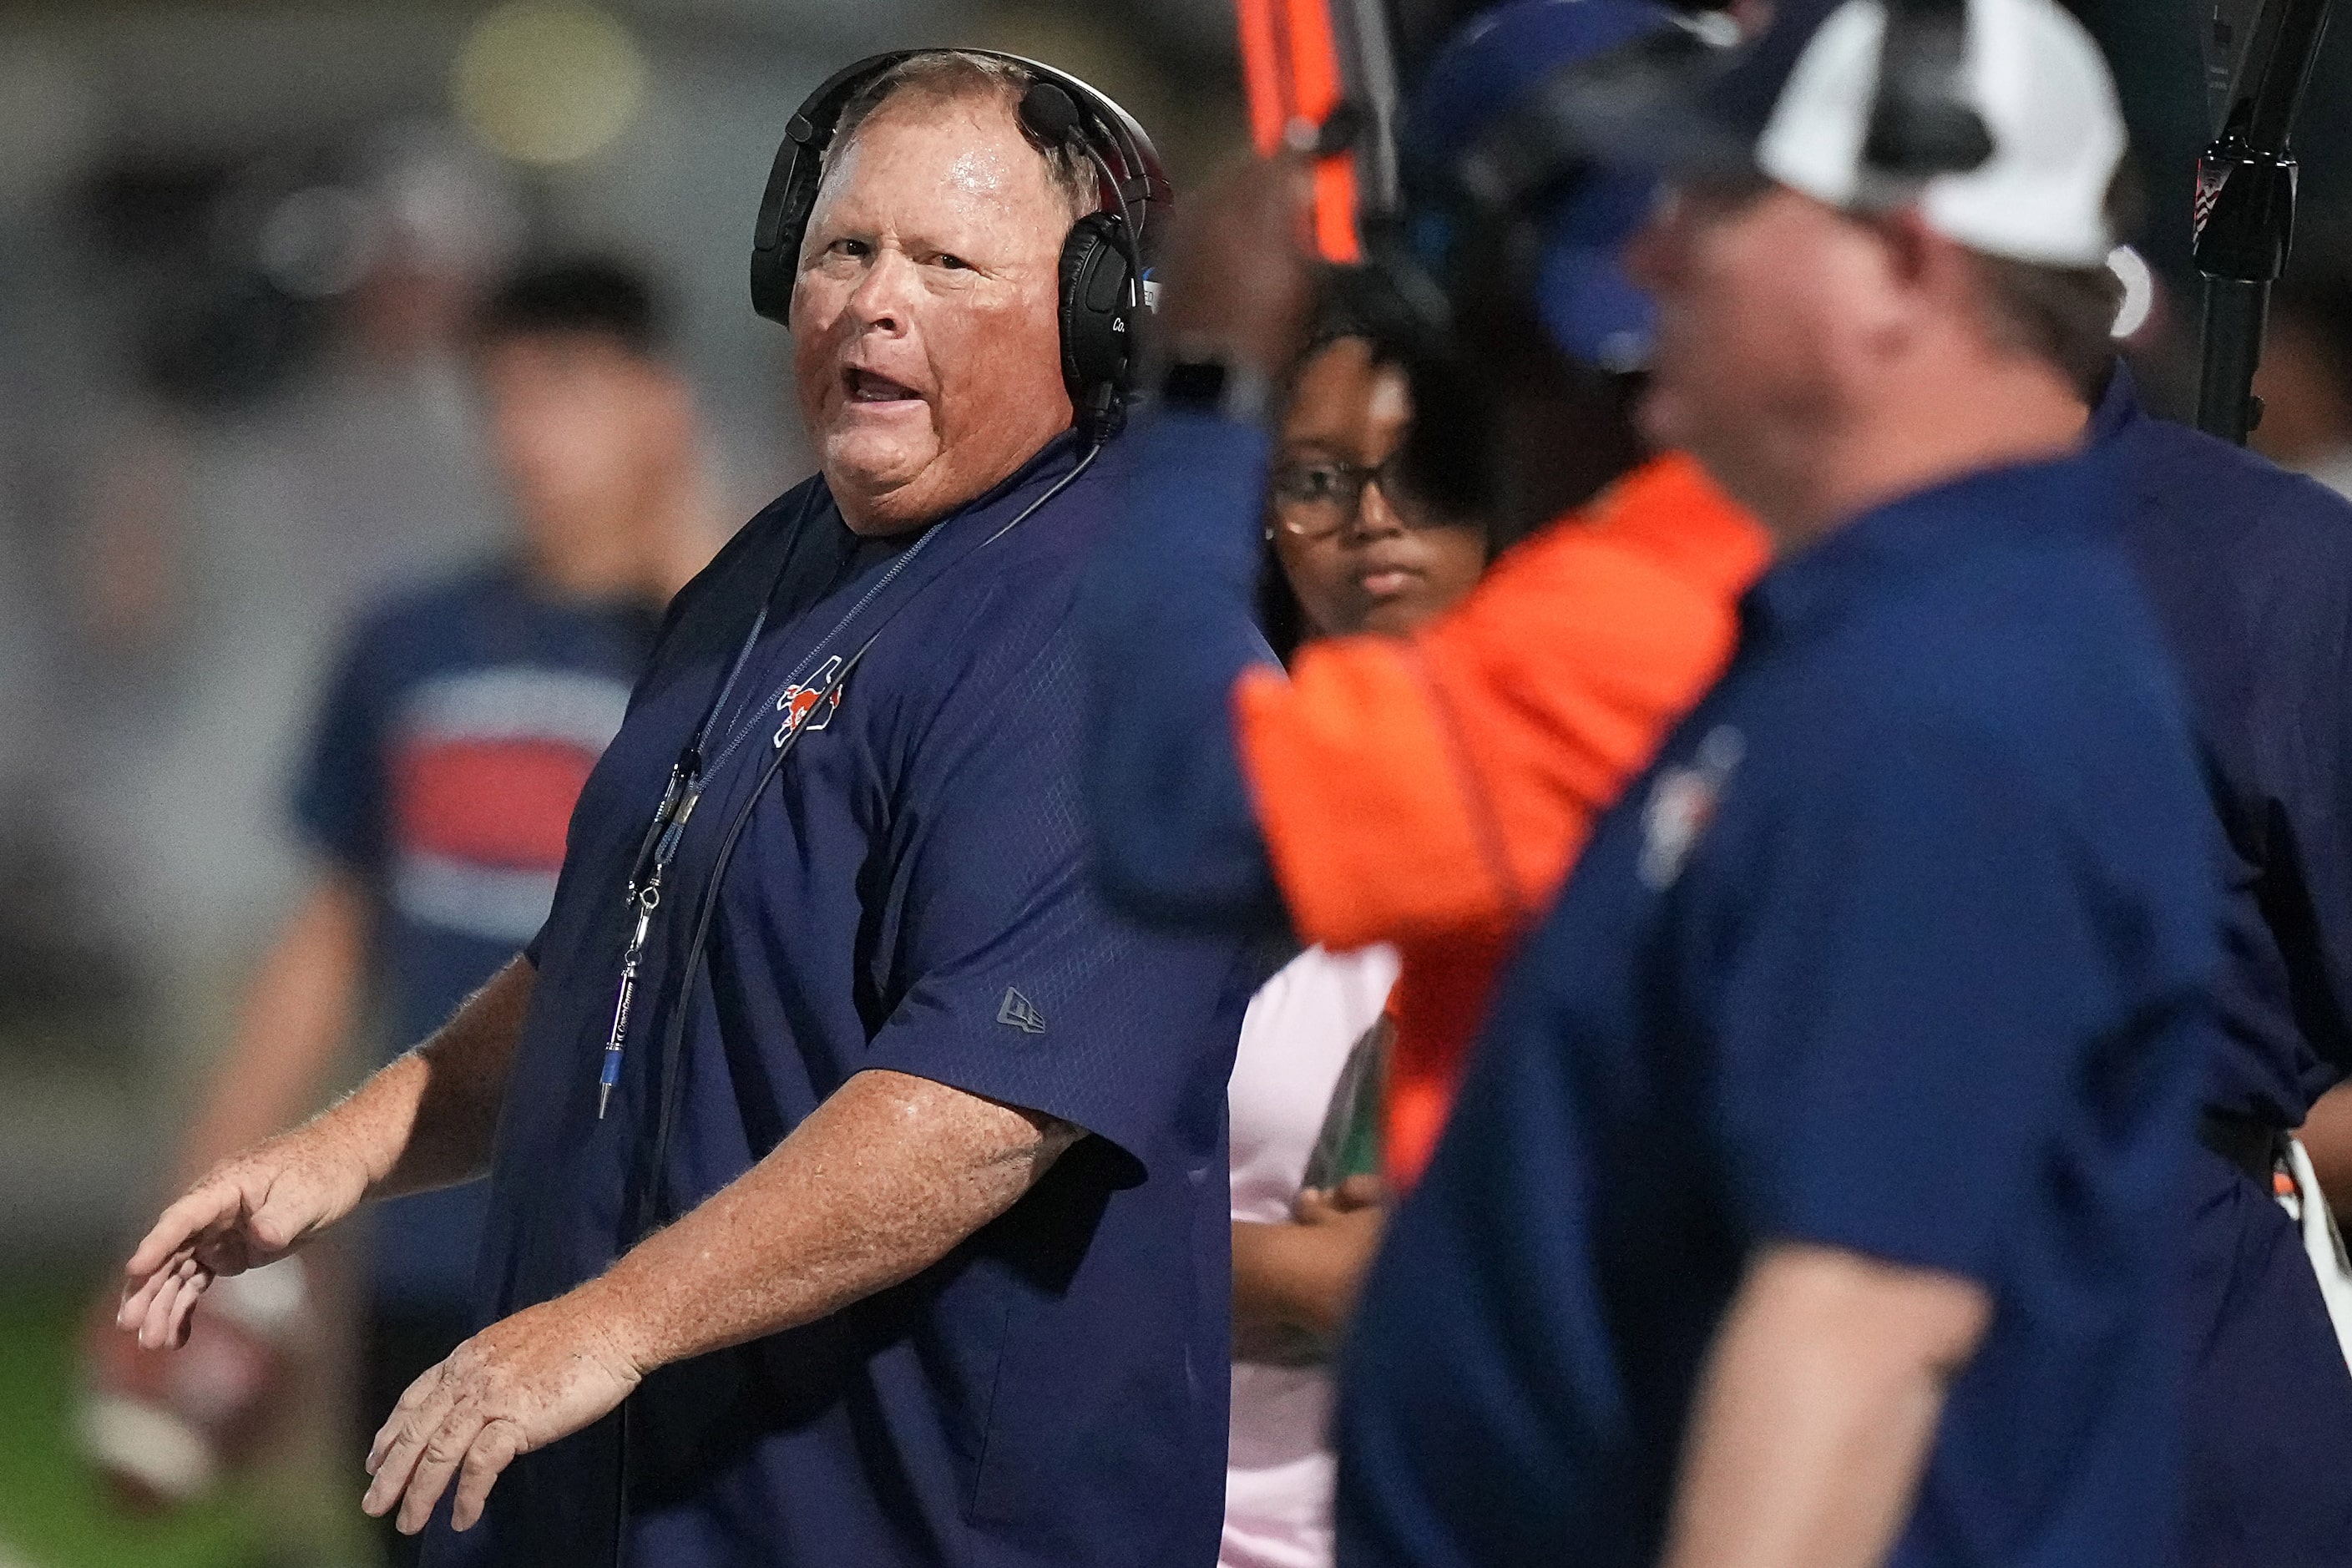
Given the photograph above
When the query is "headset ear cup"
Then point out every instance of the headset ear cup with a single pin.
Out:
(1098, 328)
(772, 284)
(783, 215)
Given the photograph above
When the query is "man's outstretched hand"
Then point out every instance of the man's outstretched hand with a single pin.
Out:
(877, 1184)
(520, 1384)
(250, 1209)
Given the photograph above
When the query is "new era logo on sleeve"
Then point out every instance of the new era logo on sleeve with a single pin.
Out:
(1020, 1013)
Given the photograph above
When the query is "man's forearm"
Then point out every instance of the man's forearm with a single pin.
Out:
(883, 1179)
(427, 1119)
(297, 1014)
(1817, 1411)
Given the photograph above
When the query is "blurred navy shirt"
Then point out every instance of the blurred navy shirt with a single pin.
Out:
(910, 893)
(453, 739)
(2249, 571)
(2249, 568)
(1901, 948)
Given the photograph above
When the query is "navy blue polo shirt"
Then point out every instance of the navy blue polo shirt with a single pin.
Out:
(910, 893)
(2249, 568)
(1901, 948)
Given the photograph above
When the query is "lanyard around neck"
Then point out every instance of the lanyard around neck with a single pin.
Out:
(688, 775)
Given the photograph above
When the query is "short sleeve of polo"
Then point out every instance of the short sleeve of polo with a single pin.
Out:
(1913, 1003)
(340, 797)
(1028, 989)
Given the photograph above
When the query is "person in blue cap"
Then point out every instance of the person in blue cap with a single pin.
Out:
(1430, 790)
(1814, 1197)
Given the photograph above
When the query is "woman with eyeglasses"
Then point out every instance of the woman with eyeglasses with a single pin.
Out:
(1351, 548)
(1347, 550)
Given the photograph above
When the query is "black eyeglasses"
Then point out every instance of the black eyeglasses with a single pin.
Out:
(1316, 497)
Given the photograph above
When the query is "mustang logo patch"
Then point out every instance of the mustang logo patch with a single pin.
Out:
(1682, 803)
(810, 705)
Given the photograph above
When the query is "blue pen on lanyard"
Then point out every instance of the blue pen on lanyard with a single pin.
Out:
(677, 803)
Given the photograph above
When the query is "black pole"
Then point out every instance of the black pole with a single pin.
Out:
(2245, 205)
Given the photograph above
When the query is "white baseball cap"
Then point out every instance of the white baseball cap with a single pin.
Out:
(1796, 103)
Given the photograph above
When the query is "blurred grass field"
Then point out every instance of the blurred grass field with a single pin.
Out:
(54, 1510)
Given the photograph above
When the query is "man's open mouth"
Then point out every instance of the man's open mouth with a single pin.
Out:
(865, 386)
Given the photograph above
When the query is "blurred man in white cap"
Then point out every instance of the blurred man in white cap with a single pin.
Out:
(1814, 1197)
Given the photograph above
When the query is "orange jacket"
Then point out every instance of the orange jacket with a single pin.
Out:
(1431, 791)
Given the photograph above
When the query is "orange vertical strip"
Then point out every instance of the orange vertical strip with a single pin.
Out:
(1262, 73)
(1314, 59)
(1315, 68)
(1290, 71)
(1335, 210)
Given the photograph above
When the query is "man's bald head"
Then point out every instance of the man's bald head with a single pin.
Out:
(936, 78)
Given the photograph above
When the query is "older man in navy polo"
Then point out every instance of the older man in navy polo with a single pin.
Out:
(929, 1146)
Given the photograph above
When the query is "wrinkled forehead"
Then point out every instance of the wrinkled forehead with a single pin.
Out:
(955, 153)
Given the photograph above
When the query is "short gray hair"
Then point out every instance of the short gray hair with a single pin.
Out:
(2065, 316)
(950, 76)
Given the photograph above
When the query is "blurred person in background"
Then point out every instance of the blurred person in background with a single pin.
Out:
(2249, 569)
(1343, 555)
(1428, 790)
(280, 477)
(889, 1225)
(297, 442)
(444, 761)
(2305, 379)
(1815, 1197)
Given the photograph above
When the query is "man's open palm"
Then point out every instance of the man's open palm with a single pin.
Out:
(250, 1209)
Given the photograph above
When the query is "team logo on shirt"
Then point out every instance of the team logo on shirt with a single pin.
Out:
(810, 705)
(1682, 803)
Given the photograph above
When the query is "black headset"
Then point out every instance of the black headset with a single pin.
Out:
(1104, 283)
